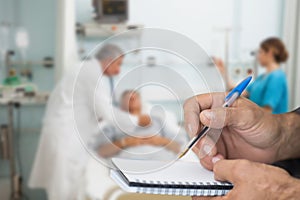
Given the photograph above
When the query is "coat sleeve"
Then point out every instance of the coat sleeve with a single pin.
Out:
(99, 99)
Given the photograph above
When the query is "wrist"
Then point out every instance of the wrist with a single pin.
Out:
(272, 137)
(278, 132)
(289, 128)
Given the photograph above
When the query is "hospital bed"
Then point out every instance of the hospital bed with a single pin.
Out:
(96, 184)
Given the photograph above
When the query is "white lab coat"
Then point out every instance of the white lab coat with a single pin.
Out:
(72, 112)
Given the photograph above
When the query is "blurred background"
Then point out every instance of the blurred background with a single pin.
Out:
(41, 41)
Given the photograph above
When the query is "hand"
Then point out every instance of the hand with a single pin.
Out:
(144, 120)
(248, 132)
(254, 181)
(222, 69)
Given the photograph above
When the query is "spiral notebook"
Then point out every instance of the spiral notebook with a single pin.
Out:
(158, 177)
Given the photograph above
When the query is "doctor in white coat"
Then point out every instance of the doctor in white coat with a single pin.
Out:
(73, 112)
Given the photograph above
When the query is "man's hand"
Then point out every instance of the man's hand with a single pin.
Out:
(254, 181)
(248, 131)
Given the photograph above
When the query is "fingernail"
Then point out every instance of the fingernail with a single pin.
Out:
(209, 115)
(215, 159)
(206, 149)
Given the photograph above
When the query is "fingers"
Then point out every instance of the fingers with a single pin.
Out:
(206, 150)
(197, 104)
(208, 161)
(206, 109)
(191, 116)
(206, 147)
(230, 170)
(208, 198)
(218, 118)
(223, 170)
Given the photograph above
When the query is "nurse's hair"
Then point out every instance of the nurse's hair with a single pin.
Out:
(277, 47)
(109, 51)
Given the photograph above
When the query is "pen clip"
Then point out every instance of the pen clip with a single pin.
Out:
(239, 88)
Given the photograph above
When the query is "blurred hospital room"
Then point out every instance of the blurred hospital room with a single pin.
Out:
(82, 81)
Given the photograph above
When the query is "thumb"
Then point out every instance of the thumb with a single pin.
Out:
(220, 117)
(226, 170)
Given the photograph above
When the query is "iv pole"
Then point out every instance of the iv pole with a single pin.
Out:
(15, 178)
(227, 31)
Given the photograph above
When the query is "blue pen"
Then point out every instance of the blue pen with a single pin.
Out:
(229, 99)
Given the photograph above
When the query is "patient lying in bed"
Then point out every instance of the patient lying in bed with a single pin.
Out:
(161, 139)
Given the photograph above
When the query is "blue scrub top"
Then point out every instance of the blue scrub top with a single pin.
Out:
(270, 89)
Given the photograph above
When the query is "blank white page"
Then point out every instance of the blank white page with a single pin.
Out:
(179, 171)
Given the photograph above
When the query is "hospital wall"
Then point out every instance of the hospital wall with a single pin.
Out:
(203, 20)
(195, 18)
(38, 18)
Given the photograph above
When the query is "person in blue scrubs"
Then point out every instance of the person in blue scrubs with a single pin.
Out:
(269, 90)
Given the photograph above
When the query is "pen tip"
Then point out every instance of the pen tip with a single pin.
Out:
(183, 153)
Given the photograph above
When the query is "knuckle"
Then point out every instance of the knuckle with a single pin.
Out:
(206, 164)
(249, 113)
(217, 168)
(240, 168)
(219, 118)
(187, 103)
(235, 171)
(228, 113)
(243, 164)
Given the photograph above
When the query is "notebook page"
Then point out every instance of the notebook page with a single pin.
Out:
(179, 171)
